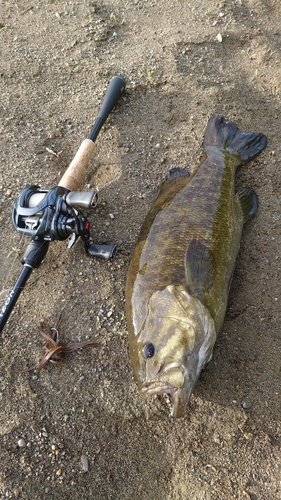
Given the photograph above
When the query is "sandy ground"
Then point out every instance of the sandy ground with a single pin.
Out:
(80, 430)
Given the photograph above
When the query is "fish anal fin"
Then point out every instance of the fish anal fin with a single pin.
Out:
(198, 268)
(248, 202)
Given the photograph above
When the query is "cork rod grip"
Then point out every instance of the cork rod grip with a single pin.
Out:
(74, 174)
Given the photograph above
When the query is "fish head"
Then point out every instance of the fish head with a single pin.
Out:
(175, 342)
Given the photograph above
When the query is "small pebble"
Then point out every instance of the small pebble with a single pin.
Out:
(217, 439)
(85, 463)
(21, 443)
(246, 403)
(249, 436)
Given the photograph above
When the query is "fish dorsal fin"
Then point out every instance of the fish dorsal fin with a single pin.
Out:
(176, 173)
(198, 268)
(175, 176)
(248, 202)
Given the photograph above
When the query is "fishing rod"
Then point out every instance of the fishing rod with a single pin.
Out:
(48, 215)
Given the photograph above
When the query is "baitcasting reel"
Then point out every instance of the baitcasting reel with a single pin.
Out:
(54, 215)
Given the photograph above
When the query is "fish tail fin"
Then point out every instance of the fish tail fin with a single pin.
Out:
(224, 135)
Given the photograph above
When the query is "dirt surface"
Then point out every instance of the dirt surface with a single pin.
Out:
(80, 430)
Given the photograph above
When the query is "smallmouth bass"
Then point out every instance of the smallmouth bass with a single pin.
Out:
(180, 272)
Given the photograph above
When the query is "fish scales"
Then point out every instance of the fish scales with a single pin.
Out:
(180, 273)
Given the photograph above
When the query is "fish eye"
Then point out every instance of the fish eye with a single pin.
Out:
(148, 350)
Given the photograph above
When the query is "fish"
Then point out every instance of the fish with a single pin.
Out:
(182, 266)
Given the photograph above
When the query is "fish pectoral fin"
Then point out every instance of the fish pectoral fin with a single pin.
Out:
(248, 202)
(198, 268)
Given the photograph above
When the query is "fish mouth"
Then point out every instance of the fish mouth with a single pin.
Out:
(175, 394)
(171, 381)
